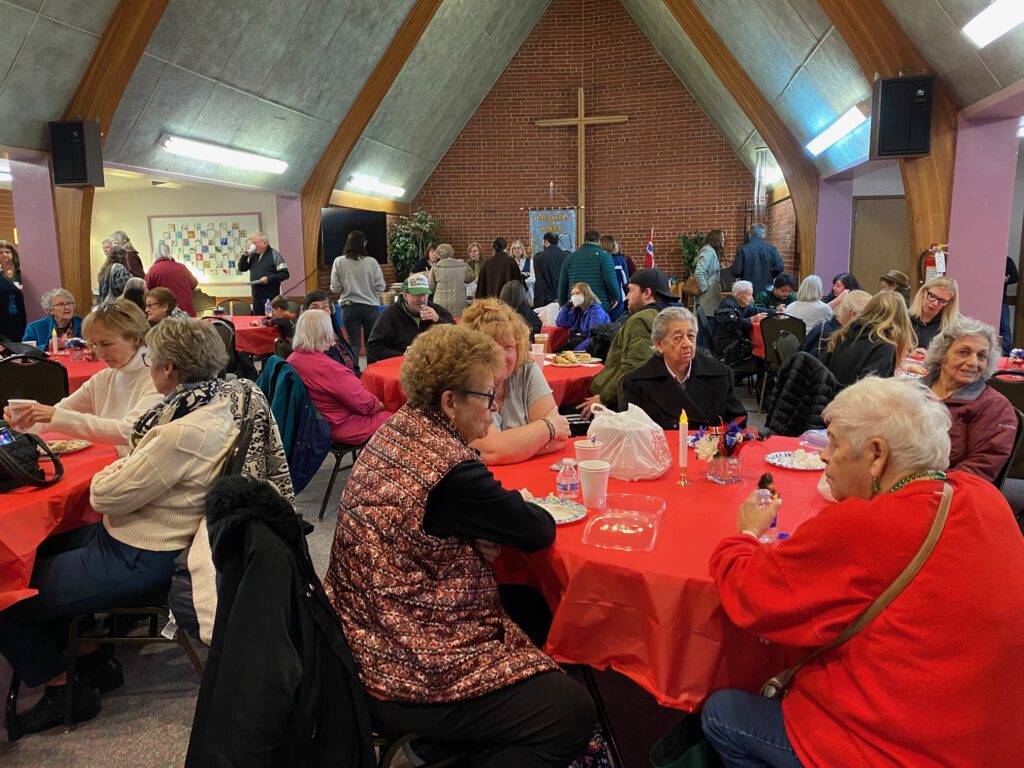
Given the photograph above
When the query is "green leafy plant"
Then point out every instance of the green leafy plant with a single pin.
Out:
(408, 238)
(689, 246)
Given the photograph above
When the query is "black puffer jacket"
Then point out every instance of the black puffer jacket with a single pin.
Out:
(281, 687)
(803, 387)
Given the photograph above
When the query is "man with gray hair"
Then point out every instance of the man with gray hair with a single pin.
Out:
(266, 269)
(175, 277)
(756, 260)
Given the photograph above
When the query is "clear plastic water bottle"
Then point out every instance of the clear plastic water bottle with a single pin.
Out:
(567, 484)
(267, 309)
(764, 500)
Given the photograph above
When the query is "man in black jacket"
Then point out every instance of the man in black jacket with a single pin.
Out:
(266, 269)
(757, 261)
(404, 320)
(547, 266)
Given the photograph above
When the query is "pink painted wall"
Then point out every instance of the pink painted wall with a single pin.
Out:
(979, 228)
(289, 237)
(835, 228)
(37, 232)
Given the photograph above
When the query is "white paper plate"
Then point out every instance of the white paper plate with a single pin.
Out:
(563, 510)
(787, 460)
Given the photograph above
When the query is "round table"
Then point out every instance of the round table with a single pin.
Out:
(28, 515)
(568, 385)
(80, 372)
(655, 616)
(255, 339)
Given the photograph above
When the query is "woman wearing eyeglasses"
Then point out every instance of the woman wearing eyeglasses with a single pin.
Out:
(60, 321)
(104, 408)
(411, 580)
(525, 419)
(935, 306)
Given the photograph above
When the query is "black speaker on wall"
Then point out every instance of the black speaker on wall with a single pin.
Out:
(77, 154)
(901, 116)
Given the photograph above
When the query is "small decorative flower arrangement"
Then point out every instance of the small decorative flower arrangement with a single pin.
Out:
(720, 447)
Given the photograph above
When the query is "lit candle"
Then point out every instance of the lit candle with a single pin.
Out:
(684, 447)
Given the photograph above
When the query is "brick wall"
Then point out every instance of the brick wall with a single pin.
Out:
(666, 168)
(780, 219)
(6, 216)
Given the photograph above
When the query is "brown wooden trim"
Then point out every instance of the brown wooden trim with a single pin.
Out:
(800, 171)
(345, 199)
(778, 193)
(882, 48)
(316, 193)
(72, 208)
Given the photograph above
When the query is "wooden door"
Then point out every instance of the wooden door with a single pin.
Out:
(881, 240)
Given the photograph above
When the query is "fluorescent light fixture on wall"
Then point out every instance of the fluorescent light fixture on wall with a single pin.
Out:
(215, 153)
(994, 22)
(836, 131)
(5, 170)
(373, 184)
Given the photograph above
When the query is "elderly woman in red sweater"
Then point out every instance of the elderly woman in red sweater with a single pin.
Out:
(935, 678)
(353, 413)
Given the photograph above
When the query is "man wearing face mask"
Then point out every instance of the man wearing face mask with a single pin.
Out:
(410, 315)
(266, 269)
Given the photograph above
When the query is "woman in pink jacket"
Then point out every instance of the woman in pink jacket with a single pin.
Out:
(353, 413)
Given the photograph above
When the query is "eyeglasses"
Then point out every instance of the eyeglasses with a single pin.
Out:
(62, 304)
(151, 305)
(936, 299)
(489, 395)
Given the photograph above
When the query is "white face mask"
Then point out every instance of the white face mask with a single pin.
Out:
(577, 300)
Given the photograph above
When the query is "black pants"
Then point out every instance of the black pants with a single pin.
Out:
(546, 720)
(359, 317)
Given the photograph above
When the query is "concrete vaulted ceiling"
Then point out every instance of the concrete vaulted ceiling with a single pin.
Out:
(278, 76)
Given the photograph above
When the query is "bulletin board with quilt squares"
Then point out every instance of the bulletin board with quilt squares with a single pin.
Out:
(209, 244)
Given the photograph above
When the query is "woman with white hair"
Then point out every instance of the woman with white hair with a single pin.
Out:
(676, 378)
(935, 677)
(353, 413)
(151, 502)
(60, 322)
(175, 277)
(983, 425)
(808, 305)
(120, 239)
(735, 317)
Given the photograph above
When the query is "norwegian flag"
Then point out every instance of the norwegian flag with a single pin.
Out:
(649, 259)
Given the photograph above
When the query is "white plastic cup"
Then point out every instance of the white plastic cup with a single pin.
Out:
(537, 349)
(594, 482)
(589, 451)
(538, 359)
(19, 408)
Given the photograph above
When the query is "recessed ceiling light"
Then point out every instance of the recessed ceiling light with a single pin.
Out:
(994, 22)
(373, 184)
(853, 118)
(215, 153)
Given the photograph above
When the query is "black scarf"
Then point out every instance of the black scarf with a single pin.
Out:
(183, 400)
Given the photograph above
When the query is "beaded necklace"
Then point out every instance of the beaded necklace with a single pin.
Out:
(928, 474)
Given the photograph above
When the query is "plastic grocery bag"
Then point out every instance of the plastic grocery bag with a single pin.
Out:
(548, 314)
(634, 444)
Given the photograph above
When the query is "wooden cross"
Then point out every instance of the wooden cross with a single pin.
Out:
(581, 121)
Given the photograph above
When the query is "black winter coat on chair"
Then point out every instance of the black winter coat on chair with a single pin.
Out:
(803, 387)
(281, 687)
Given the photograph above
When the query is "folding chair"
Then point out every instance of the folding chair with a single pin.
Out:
(772, 328)
(32, 378)
(237, 307)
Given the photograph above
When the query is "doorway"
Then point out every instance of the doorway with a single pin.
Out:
(881, 239)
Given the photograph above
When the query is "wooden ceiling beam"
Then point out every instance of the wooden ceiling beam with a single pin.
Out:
(799, 170)
(883, 49)
(316, 193)
(96, 98)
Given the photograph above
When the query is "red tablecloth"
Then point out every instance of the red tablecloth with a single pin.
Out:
(557, 337)
(79, 373)
(255, 339)
(29, 515)
(568, 385)
(655, 616)
(758, 339)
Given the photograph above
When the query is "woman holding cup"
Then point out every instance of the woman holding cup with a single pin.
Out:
(104, 408)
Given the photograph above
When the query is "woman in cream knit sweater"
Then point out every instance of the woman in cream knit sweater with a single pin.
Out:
(152, 504)
(108, 404)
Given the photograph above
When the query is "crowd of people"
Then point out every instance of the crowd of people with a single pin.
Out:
(410, 589)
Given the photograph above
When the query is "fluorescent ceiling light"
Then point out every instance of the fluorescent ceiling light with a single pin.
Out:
(836, 131)
(994, 22)
(215, 153)
(373, 184)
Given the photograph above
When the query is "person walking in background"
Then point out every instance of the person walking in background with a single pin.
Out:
(359, 280)
(547, 266)
(610, 246)
(266, 268)
(496, 271)
(757, 261)
(448, 280)
(593, 266)
(706, 271)
(175, 277)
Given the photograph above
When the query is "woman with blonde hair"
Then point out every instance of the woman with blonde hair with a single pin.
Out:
(936, 304)
(850, 306)
(525, 263)
(873, 344)
(526, 421)
(581, 313)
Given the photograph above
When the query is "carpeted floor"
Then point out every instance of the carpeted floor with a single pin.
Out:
(147, 722)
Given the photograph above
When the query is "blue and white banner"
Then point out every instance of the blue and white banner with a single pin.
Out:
(561, 221)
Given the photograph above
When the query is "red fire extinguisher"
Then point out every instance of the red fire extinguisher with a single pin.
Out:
(932, 263)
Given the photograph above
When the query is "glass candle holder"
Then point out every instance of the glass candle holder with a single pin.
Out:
(725, 470)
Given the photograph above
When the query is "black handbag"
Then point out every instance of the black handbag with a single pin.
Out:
(19, 461)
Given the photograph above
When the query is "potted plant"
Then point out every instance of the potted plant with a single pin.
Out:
(408, 237)
(689, 246)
